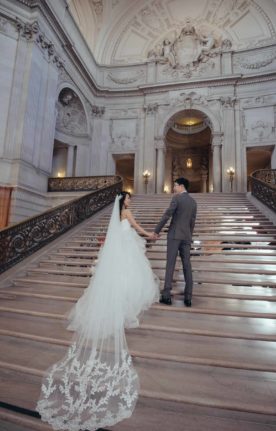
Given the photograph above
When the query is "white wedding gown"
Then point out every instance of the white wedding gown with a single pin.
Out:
(95, 384)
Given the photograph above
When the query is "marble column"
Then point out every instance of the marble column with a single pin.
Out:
(70, 161)
(204, 177)
(228, 155)
(216, 147)
(149, 158)
(160, 174)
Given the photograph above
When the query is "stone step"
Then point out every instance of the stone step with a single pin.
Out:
(225, 388)
(219, 238)
(14, 421)
(159, 415)
(211, 278)
(165, 320)
(81, 277)
(175, 347)
(63, 292)
(80, 268)
(201, 304)
(161, 255)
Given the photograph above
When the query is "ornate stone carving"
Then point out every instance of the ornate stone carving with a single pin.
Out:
(31, 32)
(159, 142)
(98, 6)
(3, 24)
(257, 101)
(260, 130)
(71, 118)
(228, 101)
(97, 111)
(256, 61)
(124, 140)
(188, 50)
(124, 133)
(127, 80)
(27, 30)
(187, 100)
(151, 108)
(226, 45)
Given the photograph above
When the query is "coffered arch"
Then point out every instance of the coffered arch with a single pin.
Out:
(127, 30)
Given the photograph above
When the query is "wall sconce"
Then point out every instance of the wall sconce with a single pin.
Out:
(231, 172)
(146, 175)
(189, 163)
(60, 174)
(166, 189)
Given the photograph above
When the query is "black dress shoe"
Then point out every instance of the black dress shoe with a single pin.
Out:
(166, 301)
(188, 302)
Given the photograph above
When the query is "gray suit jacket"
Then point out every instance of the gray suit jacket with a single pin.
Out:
(182, 211)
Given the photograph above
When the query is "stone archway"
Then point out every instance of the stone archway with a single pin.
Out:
(71, 130)
(189, 151)
(212, 167)
(192, 142)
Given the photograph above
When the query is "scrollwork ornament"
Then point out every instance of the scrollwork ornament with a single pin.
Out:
(27, 30)
(151, 109)
(97, 111)
(228, 102)
(253, 63)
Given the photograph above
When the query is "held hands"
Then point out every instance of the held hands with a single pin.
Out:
(153, 236)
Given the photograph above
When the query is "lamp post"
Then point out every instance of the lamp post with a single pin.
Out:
(146, 175)
(231, 172)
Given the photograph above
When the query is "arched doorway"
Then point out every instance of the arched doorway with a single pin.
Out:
(70, 135)
(188, 150)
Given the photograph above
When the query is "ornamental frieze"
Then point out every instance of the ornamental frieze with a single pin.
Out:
(121, 80)
(253, 62)
(31, 32)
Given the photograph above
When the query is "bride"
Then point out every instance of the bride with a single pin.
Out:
(95, 384)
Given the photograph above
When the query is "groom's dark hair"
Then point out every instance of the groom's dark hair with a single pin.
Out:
(183, 181)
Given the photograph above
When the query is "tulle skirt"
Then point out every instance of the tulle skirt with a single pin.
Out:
(95, 384)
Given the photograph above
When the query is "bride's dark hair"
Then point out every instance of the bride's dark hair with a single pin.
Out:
(123, 198)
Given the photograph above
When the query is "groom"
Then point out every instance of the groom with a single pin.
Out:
(182, 211)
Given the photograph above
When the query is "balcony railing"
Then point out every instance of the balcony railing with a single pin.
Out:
(72, 184)
(24, 238)
(263, 184)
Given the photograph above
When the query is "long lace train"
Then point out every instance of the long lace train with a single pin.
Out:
(95, 384)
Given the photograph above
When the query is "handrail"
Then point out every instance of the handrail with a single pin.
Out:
(264, 186)
(70, 184)
(24, 238)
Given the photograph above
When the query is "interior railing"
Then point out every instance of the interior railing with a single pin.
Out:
(263, 185)
(24, 238)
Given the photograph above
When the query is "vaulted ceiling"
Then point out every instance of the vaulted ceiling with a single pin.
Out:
(124, 31)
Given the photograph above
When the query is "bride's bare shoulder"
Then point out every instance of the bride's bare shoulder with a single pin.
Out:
(125, 214)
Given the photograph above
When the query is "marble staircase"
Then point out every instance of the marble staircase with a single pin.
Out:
(211, 366)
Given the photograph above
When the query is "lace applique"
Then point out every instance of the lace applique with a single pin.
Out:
(93, 393)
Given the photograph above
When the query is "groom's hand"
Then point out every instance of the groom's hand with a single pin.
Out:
(155, 236)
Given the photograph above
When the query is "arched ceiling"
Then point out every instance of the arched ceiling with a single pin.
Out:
(124, 31)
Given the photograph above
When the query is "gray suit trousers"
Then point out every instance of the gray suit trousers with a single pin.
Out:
(173, 247)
